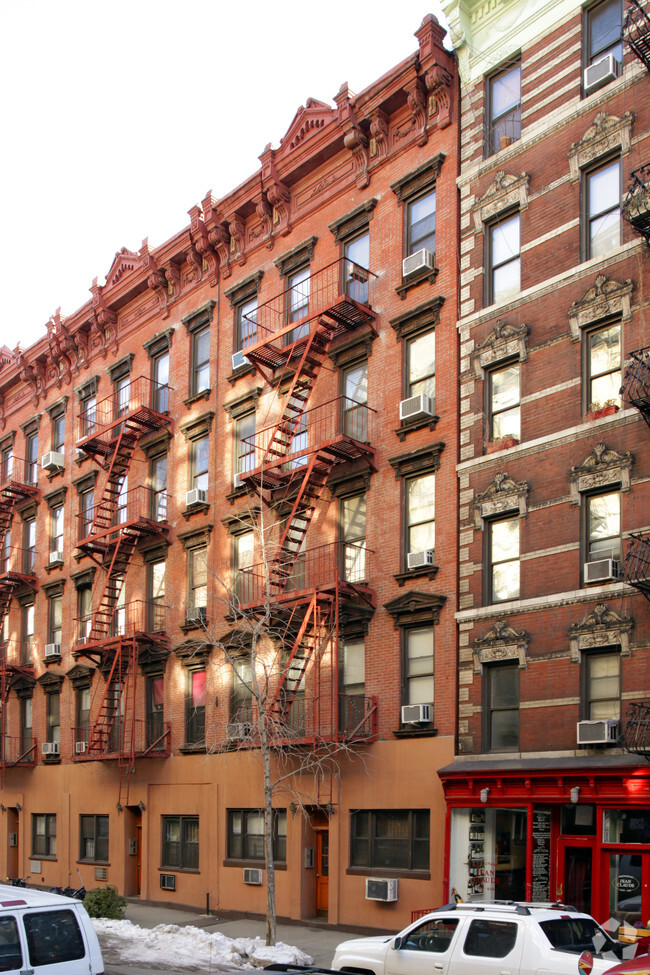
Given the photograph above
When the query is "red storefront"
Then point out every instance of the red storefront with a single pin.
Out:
(574, 829)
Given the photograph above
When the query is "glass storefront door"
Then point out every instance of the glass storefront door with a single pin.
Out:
(576, 863)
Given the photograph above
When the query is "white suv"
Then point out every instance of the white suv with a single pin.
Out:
(476, 938)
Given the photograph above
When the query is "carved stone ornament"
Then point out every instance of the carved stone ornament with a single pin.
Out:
(354, 137)
(203, 247)
(503, 494)
(601, 628)
(237, 231)
(378, 145)
(218, 234)
(103, 332)
(604, 299)
(505, 341)
(32, 374)
(502, 642)
(505, 192)
(418, 179)
(439, 85)
(65, 355)
(605, 134)
(603, 467)
(277, 193)
(415, 607)
(156, 280)
(124, 262)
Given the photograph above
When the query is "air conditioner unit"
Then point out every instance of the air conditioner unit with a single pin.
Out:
(50, 748)
(13, 839)
(252, 876)
(237, 481)
(239, 360)
(195, 496)
(237, 730)
(420, 261)
(52, 461)
(418, 560)
(80, 747)
(416, 713)
(196, 614)
(52, 649)
(416, 407)
(168, 881)
(601, 570)
(56, 556)
(600, 73)
(598, 732)
(381, 890)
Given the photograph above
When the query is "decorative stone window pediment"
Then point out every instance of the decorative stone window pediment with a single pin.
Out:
(245, 522)
(51, 683)
(345, 483)
(355, 349)
(193, 653)
(121, 368)
(56, 498)
(506, 192)
(57, 409)
(158, 444)
(199, 426)
(161, 342)
(23, 685)
(156, 553)
(237, 641)
(418, 320)
(245, 290)
(603, 467)
(80, 676)
(195, 538)
(31, 426)
(84, 580)
(152, 660)
(247, 403)
(86, 483)
(354, 621)
(502, 495)
(297, 257)
(418, 179)
(605, 299)
(200, 317)
(8, 441)
(606, 134)
(52, 589)
(505, 341)
(414, 608)
(89, 388)
(417, 462)
(354, 221)
(602, 627)
(501, 643)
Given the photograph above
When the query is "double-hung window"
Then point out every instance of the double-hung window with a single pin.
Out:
(199, 462)
(504, 398)
(197, 599)
(504, 259)
(352, 685)
(503, 559)
(246, 318)
(603, 513)
(501, 685)
(160, 377)
(246, 834)
(419, 665)
(504, 109)
(195, 707)
(243, 544)
(43, 835)
(356, 254)
(154, 710)
(31, 459)
(200, 361)
(58, 433)
(602, 366)
(29, 550)
(56, 537)
(82, 718)
(27, 634)
(93, 838)
(298, 302)
(180, 843)
(156, 586)
(602, 685)
(421, 366)
(55, 619)
(395, 839)
(602, 209)
(604, 32)
(355, 402)
(53, 717)
(241, 693)
(244, 445)
(353, 538)
(158, 477)
(421, 513)
(421, 223)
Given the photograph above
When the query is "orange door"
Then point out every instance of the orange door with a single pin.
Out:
(138, 857)
(322, 871)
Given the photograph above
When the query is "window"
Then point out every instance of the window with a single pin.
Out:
(355, 402)
(501, 682)
(603, 209)
(197, 600)
(246, 318)
(158, 477)
(435, 936)
(199, 463)
(115, 705)
(88, 412)
(160, 376)
(490, 939)
(44, 835)
(243, 544)
(244, 444)
(603, 513)
(26, 730)
(504, 109)
(604, 31)
(5, 553)
(352, 683)
(118, 627)
(53, 717)
(156, 586)
(504, 398)
(58, 433)
(200, 361)
(353, 538)
(122, 501)
(121, 395)
(421, 513)
(7, 462)
(421, 223)
(56, 536)
(603, 366)
(241, 695)
(246, 834)
(180, 842)
(298, 303)
(55, 619)
(53, 939)
(86, 512)
(30, 546)
(602, 673)
(93, 835)
(84, 613)
(31, 459)
(421, 366)
(195, 708)
(504, 259)
(419, 666)
(154, 702)
(503, 560)
(356, 253)
(82, 715)
(390, 839)
(28, 634)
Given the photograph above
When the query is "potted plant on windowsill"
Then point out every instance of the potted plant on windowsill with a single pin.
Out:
(596, 410)
(501, 443)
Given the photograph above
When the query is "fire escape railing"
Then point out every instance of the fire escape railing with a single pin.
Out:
(146, 620)
(304, 721)
(140, 508)
(140, 401)
(636, 564)
(636, 381)
(635, 735)
(635, 207)
(636, 30)
(18, 751)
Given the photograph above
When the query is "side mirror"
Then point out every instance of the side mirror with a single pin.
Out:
(398, 943)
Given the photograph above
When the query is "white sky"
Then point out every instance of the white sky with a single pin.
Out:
(117, 118)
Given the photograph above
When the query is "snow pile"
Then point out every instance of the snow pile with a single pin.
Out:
(190, 946)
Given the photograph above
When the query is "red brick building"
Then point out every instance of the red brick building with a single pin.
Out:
(273, 389)
(545, 800)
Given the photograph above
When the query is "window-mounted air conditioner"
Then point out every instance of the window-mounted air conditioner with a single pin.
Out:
(381, 890)
(52, 649)
(252, 876)
(602, 570)
(237, 481)
(52, 461)
(239, 360)
(168, 881)
(422, 260)
(50, 748)
(419, 560)
(416, 713)
(195, 496)
(56, 556)
(600, 73)
(598, 732)
(416, 407)
(196, 614)
(80, 747)
(237, 730)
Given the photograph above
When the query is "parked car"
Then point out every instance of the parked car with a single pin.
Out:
(46, 934)
(466, 939)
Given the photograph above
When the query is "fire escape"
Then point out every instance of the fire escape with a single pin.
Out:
(636, 391)
(287, 467)
(17, 573)
(111, 637)
(636, 203)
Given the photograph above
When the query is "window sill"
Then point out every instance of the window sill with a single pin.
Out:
(257, 864)
(97, 863)
(51, 660)
(428, 571)
(190, 625)
(246, 370)
(51, 759)
(197, 397)
(54, 565)
(201, 508)
(193, 749)
(413, 280)
(407, 427)
(171, 869)
(388, 872)
(43, 856)
(239, 492)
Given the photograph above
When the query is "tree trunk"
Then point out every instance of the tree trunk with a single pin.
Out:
(268, 839)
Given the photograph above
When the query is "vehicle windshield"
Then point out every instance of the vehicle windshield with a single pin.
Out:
(578, 934)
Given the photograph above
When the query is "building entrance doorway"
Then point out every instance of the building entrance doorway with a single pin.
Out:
(322, 872)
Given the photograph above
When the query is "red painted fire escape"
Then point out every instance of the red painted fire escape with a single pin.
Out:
(287, 466)
(121, 518)
(17, 573)
(636, 391)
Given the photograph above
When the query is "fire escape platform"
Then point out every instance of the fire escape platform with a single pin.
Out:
(280, 473)
(636, 382)
(636, 31)
(101, 542)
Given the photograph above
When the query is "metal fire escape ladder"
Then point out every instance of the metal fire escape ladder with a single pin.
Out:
(636, 30)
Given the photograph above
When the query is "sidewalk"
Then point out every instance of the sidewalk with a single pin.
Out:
(316, 940)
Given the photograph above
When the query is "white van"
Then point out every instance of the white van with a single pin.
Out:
(46, 934)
